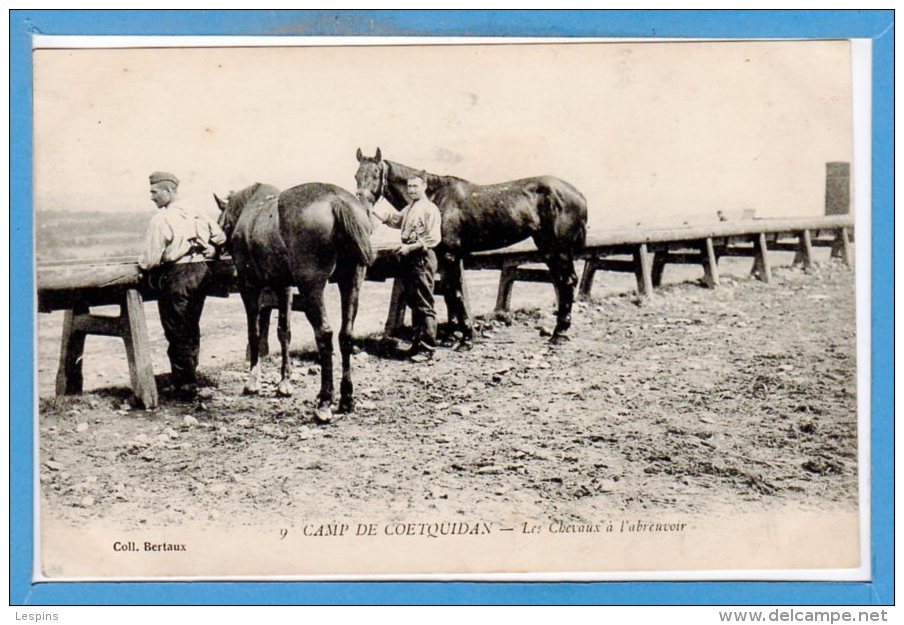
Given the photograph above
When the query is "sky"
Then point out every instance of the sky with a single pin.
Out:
(649, 132)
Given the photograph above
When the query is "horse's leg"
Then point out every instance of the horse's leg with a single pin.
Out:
(349, 289)
(561, 268)
(284, 332)
(452, 268)
(315, 311)
(265, 307)
(251, 300)
(451, 315)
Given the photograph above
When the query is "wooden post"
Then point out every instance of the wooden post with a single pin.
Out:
(660, 260)
(130, 326)
(395, 318)
(504, 294)
(842, 247)
(761, 260)
(804, 251)
(643, 270)
(465, 292)
(590, 267)
(710, 264)
(138, 351)
(69, 373)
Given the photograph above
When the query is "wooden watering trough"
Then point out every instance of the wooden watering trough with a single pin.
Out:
(77, 286)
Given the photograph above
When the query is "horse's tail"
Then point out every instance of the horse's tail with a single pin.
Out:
(569, 208)
(580, 236)
(355, 224)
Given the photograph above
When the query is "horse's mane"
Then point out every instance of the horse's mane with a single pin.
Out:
(238, 199)
(432, 180)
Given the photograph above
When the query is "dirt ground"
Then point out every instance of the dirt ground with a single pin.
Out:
(742, 396)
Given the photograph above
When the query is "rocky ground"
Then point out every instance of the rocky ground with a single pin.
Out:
(744, 396)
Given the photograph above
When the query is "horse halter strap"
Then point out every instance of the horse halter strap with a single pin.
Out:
(384, 182)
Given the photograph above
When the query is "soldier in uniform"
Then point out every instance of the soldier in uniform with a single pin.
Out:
(420, 224)
(177, 244)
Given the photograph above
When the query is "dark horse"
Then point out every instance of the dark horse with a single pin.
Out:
(487, 217)
(301, 237)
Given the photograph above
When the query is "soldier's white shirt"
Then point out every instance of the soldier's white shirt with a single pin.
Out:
(176, 234)
(419, 221)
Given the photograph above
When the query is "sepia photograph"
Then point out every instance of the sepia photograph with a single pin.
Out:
(409, 309)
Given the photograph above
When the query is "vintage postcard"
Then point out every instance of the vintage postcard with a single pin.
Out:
(642, 359)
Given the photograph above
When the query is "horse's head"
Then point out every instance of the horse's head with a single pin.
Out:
(371, 178)
(231, 208)
(227, 217)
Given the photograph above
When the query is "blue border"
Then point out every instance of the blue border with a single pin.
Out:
(875, 25)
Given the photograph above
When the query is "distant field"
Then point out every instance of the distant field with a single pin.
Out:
(68, 235)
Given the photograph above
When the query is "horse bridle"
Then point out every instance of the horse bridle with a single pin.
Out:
(384, 182)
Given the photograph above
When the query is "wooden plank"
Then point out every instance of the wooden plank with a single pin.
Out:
(138, 350)
(622, 266)
(676, 247)
(86, 276)
(51, 300)
(644, 270)
(679, 258)
(780, 246)
(746, 251)
(100, 325)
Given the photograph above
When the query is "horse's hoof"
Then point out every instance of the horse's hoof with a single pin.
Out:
(346, 407)
(464, 346)
(559, 339)
(251, 390)
(503, 316)
(284, 389)
(323, 414)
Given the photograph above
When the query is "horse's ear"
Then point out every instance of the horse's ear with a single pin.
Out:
(360, 155)
(220, 202)
(378, 157)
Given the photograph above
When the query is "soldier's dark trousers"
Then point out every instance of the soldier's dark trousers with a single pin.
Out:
(419, 271)
(182, 292)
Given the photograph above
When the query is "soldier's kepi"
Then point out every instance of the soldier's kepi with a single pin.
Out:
(177, 244)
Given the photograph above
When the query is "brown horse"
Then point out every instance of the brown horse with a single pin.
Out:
(487, 217)
(301, 237)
